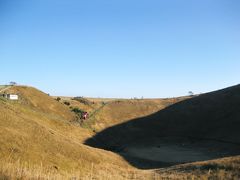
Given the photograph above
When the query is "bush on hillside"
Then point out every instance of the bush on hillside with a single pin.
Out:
(103, 103)
(67, 103)
(77, 111)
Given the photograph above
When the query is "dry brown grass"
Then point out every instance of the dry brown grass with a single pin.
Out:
(24, 170)
(106, 112)
(119, 111)
(30, 134)
(223, 169)
(17, 169)
(40, 101)
(38, 141)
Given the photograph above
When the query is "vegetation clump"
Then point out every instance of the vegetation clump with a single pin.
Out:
(78, 112)
(67, 103)
(82, 100)
(58, 99)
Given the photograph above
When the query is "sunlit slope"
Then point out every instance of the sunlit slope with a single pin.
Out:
(32, 132)
(104, 113)
(38, 130)
(119, 111)
(224, 168)
(40, 101)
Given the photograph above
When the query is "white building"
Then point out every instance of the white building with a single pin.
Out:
(12, 96)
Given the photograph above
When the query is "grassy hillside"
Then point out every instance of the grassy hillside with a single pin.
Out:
(36, 132)
(108, 112)
(39, 101)
(85, 105)
(118, 111)
(213, 115)
(39, 139)
(224, 168)
(205, 126)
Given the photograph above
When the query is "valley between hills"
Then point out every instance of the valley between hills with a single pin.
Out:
(189, 137)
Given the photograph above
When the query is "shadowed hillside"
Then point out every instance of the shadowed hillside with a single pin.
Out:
(118, 111)
(104, 113)
(208, 123)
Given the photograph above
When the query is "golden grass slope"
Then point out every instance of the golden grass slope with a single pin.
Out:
(40, 101)
(106, 112)
(38, 141)
(223, 169)
(119, 111)
(33, 133)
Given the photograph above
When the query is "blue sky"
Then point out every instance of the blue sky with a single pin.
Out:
(120, 48)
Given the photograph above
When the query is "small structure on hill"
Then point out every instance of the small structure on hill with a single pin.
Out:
(11, 96)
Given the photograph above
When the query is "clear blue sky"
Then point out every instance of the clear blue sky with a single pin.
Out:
(120, 48)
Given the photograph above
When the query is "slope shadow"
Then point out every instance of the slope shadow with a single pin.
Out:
(209, 123)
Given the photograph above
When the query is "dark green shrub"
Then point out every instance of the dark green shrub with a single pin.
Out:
(78, 112)
(67, 103)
